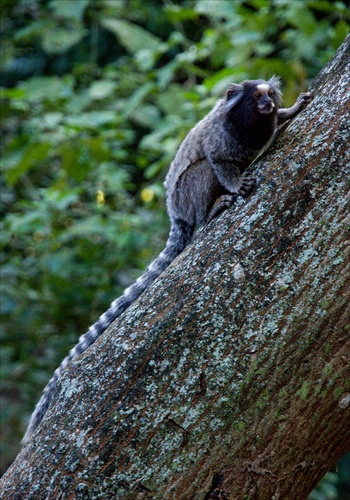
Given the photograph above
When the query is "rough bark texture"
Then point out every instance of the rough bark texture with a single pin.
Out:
(230, 377)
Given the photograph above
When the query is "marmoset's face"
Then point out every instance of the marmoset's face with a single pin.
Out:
(264, 98)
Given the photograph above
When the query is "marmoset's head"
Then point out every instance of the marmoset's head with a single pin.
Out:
(255, 96)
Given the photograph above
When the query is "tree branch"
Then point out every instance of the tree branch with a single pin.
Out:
(230, 376)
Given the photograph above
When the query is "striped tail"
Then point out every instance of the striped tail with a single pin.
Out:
(180, 236)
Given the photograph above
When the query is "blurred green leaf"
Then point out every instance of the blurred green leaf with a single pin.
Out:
(58, 39)
(73, 9)
(91, 119)
(102, 89)
(340, 32)
(220, 9)
(47, 87)
(134, 101)
(132, 37)
(29, 157)
(177, 13)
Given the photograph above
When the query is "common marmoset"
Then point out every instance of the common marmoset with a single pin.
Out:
(206, 175)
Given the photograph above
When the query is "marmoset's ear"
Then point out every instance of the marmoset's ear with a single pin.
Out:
(275, 84)
(234, 95)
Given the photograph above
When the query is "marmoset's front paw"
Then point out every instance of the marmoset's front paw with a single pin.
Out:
(248, 184)
(305, 98)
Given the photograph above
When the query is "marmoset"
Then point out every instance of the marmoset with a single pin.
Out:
(205, 177)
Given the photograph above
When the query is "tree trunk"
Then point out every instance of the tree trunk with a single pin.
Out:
(230, 377)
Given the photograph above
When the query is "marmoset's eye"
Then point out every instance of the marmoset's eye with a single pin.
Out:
(257, 95)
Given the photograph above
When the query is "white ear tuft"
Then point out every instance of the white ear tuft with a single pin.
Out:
(275, 84)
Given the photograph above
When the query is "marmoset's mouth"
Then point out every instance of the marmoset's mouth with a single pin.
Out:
(265, 109)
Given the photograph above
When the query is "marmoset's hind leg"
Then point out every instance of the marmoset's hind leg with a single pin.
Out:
(226, 200)
(222, 203)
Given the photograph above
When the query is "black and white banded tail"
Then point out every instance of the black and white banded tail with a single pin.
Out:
(180, 236)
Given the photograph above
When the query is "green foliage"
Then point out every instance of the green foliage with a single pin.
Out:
(326, 489)
(96, 96)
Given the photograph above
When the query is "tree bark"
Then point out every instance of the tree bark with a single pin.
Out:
(230, 377)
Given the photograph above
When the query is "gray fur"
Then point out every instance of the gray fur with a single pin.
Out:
(206, 175)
